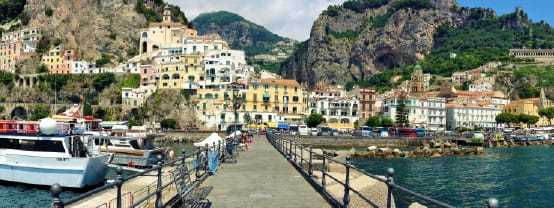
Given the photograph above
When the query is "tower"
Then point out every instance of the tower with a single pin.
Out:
(544, 102)
(167, 14)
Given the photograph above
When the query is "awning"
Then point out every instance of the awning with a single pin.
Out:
(283, 126)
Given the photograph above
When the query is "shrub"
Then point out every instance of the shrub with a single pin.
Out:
(49, 12)
(314, 120)
(103, 60)
(39, 112)
(168, 124)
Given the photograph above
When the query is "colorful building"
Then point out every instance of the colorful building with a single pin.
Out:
(59, 60)
(179, 71)
(17, 45)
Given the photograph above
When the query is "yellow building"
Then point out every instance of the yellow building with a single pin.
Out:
(269, 100)
(59, 60)
(179, 71)
(530, 106)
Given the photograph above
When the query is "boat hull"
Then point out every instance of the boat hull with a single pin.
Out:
(68, 172)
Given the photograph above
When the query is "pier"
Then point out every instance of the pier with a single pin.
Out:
(262, 178)
(275, 171)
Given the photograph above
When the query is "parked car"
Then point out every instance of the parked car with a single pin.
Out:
(365, 131)
(303, 130)
(314, 131)
(293, 129)
(326, 131)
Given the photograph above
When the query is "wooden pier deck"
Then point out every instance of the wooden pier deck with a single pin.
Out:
(262, 178)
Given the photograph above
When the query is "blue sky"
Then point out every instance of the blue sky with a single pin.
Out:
(537, 9)
(294, 18)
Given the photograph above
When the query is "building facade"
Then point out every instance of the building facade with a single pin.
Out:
(17, 45)
(429, 113)
(471, 116)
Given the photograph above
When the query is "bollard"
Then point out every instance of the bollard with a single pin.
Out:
(492, 203)
(390, 182)
(55, 191)
(159, 203)
(346, 197)
(119, 184)
(323, 182)
(310, 170)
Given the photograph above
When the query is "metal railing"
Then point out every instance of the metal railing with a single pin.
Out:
(317, 173)
(200, 156)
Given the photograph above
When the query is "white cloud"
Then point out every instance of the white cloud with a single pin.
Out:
(289, 18)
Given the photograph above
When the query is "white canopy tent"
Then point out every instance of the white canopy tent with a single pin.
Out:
(213, 138)
(236, 133)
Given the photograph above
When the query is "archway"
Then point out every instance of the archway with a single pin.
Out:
(19, 113)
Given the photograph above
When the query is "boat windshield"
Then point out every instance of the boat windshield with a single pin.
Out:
(32, 145)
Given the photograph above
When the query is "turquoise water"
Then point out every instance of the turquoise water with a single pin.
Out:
(517, 177)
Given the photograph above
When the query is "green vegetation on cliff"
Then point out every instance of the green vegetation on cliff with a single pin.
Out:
(11, 9)
(237, 31)
(484, 39)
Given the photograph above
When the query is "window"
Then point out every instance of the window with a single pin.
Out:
(295, 98)
(32, 145)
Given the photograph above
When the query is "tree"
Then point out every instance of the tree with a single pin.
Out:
(387, 122)
(374, 121)
(42, 69)
(168, 123)
(87, 109)
(314, 120)
(505, 118)
(547, 113)
(100, 113)
(39, 112)
(527, 119)
(103, 60)
(402, 115)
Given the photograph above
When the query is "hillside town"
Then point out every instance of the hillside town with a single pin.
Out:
(225, 90)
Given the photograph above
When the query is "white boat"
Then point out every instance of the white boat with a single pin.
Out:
(131, 151)
(47, 157)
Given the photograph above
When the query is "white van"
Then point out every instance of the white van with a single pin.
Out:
(303, 130)
(314, 132)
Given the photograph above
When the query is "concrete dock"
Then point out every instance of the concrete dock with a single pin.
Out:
(262, 178)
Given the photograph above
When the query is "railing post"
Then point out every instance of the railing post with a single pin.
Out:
(206, 158)
(55, 191)
(290, 149)
(310, 168)
(159, 203)
(295, 145)
(184, 155)
(301, 156)
(390, 182)
(346, 198)
(119, 184)
(492, 203)
(197, 168)
(323, 182)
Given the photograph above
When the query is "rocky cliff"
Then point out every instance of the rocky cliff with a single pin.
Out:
(91, 26)
(363, 37)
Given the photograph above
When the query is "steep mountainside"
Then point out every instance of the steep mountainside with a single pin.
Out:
(93, 27)
(237, 31)
(364, 38)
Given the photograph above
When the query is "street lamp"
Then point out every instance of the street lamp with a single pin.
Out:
(237, 102)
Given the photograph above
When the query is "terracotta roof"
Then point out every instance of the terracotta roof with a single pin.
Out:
(285, 82)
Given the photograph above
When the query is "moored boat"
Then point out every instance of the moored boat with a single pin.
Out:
(47, 153)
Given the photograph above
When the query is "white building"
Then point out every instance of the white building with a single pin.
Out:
(135, 97)
(202, 44)
(481, 85)
(83, 67)
(339, 110)
(223, 67)
(429, 113)
(471, 116)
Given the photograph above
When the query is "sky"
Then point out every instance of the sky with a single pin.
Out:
(294, 18)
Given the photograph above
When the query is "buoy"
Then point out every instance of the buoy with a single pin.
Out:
(48, 126)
